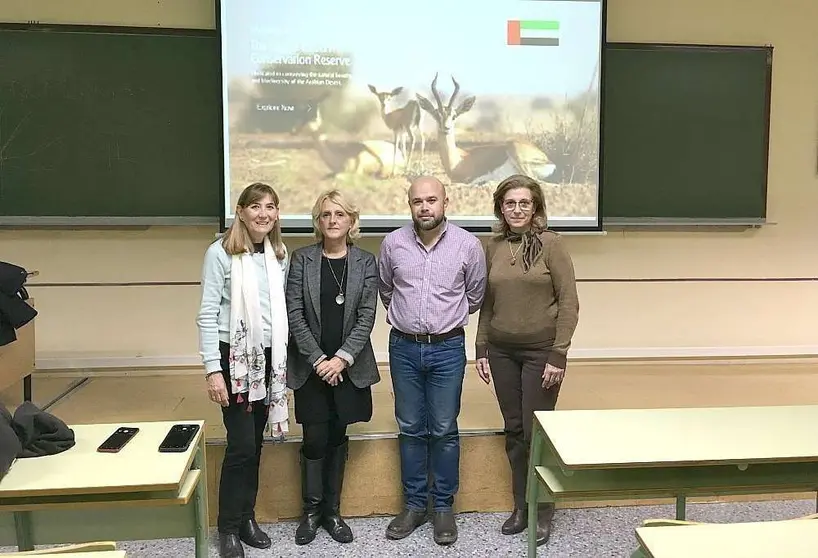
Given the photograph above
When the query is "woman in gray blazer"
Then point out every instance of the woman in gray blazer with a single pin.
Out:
(331, 300)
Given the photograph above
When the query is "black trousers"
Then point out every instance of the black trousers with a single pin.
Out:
(238, 485)
(324, 413)
(517, 377)
(320, 437)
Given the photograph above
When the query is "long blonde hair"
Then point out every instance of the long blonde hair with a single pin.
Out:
(237, 238)
(335, 196)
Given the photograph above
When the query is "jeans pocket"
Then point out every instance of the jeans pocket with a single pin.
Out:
(393, 339)
(456, 342)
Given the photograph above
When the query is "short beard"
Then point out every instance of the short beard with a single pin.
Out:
(428, 225)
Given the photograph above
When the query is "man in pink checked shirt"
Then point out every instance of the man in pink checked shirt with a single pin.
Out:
(432, 277)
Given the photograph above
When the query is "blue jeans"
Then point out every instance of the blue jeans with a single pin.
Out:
(428, 380)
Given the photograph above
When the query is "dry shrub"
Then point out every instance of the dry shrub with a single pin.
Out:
(300, 176)
(572, 142)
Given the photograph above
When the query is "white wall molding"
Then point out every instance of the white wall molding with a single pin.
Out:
(85, 361)
(642, 353)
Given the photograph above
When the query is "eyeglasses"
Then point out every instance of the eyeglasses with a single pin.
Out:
(524, 205)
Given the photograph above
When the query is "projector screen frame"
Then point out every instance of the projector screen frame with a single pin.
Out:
(223, 122)
(373, 225)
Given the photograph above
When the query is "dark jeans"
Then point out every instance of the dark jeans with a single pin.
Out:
(428, 380)
(238, 485)
(517, 377)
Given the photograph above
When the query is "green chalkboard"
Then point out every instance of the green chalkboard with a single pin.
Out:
(123, 125)
(685, 133)
(109, 125)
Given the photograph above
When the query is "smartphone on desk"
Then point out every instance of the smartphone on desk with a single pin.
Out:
(118, 439)
(178, 438)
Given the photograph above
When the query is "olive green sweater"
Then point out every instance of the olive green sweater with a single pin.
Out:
(538, 309)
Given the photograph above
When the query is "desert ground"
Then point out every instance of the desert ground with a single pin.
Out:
(299, 175)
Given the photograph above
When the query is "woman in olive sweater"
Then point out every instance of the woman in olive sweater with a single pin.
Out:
(526, 323)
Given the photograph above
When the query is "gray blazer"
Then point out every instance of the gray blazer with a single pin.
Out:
(304, 314)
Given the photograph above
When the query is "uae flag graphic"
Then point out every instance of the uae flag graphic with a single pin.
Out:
(529, 32)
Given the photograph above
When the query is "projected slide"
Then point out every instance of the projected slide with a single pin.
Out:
(364, 96)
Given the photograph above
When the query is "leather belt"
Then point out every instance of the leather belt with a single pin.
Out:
(430, 338)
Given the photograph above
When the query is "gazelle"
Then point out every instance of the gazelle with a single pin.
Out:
(403, 122)
(483, 163)
(370, 157)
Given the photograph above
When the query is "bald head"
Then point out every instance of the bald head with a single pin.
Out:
(427, 201)
(426, 184)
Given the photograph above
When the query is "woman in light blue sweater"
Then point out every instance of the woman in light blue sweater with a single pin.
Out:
(243, 334)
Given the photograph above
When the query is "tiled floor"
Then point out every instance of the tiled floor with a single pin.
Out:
(578, 533)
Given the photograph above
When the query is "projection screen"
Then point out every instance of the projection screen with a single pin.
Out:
(363, 96)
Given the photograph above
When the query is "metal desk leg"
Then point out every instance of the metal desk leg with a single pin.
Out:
(680, 506)
(533, 487)
(27, 388)
(22, 524)
(200, 503)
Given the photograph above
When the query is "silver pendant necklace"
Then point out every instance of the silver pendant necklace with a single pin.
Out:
(339, 298)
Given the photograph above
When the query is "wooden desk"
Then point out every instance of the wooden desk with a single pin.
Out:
(790, 539)
(82, 495)
(670, 453)
(17, 358)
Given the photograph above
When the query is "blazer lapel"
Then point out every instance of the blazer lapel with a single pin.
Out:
(355, 281)
(313, 272)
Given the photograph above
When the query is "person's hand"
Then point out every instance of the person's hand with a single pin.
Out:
(330, 370)
(321, 368)
(484, 370)
(217, 390)
(552, 375)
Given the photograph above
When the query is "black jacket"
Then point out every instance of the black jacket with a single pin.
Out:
(40, 433)
(14, 311)
(31, 433)
(10, 446)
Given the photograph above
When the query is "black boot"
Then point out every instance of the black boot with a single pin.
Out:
(230, 546)
(517, 451)
(516, 522)
(250, 533)
(312, 489)
(334, 466)
(545, 513)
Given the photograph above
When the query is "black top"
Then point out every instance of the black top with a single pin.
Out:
(332, 313)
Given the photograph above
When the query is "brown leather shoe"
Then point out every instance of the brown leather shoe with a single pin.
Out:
(516, 522)
(545, 513)
(405, 524)
(445, 528)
